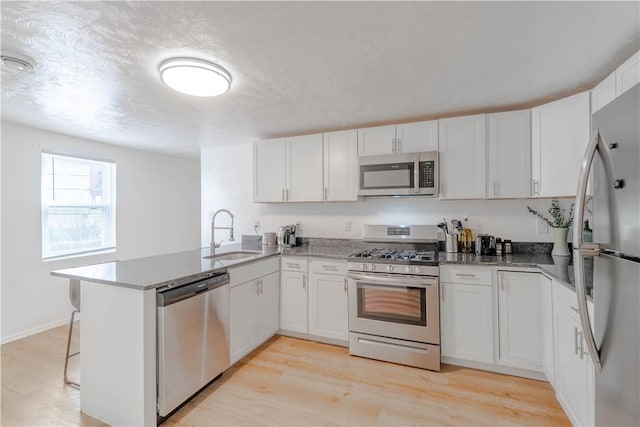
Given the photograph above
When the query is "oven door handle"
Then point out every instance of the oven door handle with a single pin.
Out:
(397, 280)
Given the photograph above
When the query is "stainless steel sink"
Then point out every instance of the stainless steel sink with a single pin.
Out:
(230, 256)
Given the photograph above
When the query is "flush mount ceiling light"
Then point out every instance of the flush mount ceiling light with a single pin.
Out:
(15, 64)
(195, 76)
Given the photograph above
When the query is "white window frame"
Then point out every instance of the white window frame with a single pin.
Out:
(108, 208)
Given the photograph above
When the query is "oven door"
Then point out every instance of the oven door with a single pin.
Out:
(395, 306)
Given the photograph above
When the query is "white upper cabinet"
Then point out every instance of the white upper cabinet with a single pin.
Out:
(288, 169)
(341, 166)
(628, 74)
(304, 169)
(463, 152)
(395, 139)
(417, 137)
(604, 93)
(509, 163)
(268, 170)
(559, 135)
(622, 79)
(376, 141)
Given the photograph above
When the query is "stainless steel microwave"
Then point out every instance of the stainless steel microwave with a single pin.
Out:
(411, 174)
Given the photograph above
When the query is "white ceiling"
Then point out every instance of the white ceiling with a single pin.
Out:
(299, 67)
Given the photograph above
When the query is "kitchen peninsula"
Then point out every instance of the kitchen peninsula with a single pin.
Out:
(118, 334)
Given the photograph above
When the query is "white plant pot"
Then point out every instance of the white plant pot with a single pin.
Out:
(560, 246)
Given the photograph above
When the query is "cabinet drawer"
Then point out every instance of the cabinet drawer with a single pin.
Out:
(252, 271)
(463, 274)
(327, 266)
(293, 263)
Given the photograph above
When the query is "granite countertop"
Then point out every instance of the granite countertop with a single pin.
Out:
(161, 270)
(158, 271)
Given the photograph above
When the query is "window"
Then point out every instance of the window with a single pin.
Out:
(78, 206)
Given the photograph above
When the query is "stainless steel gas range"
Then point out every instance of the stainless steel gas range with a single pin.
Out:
(394, 311)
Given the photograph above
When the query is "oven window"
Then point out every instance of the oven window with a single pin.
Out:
(405, 305)
(398, 175)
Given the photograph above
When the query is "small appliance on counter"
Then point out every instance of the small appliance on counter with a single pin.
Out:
(485, 245)
(287, 236)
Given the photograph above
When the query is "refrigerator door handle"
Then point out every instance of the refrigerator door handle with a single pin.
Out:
(589, 249)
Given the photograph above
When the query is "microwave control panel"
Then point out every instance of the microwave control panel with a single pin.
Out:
(427, 174)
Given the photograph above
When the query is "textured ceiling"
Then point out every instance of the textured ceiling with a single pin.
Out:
(298, 67)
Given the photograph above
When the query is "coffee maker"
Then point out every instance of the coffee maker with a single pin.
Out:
(287, 236)
(485, 245)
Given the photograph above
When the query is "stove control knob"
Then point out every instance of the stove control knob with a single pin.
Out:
(407, 269)
(417, 270)
(389, 268)
(373, 267)
(364, 266)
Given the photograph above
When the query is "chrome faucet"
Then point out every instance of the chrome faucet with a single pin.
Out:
(213, 229)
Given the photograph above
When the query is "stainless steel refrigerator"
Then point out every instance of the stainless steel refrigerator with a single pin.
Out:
(614, 342)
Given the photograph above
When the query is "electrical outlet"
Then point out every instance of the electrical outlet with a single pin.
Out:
(347, 226)
(542, 227)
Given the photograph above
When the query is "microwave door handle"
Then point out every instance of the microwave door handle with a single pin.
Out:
(416, 176)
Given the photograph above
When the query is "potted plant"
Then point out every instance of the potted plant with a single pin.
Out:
(560, 223)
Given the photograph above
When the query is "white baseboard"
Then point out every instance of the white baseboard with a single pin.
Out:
(38, 329)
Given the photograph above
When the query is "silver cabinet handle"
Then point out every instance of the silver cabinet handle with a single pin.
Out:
(292, 265)
(465, 275)
(283, 194)
(574, 309)
(345, 284)
(590, 249)
(261, 286)
(581, 345)
(330, 267)
(536, 187)
(325, 193)
(258, 287)
(575, 340)
(398, 145)
(304, 281)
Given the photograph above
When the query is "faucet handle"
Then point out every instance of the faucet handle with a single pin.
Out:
(217, 245)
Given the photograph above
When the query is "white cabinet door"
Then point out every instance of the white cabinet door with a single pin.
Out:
(509, 149)
(269, 306)
(463, 154)
(417, 137)
(466, 324)
(604, 93)
(628, 74)
(269, 170)
(293, 301)
(328, 315)
(304, 169)
(243, 319)
(559, 135)
(341, 166)
(574, 372)
(520, 324)
(547, 328)
(376, 141)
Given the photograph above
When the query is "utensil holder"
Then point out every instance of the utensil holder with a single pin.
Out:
(451, 243)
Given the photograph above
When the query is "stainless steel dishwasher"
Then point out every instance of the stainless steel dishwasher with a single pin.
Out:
(193, 338)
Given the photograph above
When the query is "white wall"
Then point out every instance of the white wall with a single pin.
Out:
(227, 183)
(157, 212)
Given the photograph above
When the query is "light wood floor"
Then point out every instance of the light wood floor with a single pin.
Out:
(292, 382)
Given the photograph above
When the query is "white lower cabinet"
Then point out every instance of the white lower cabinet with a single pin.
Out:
(520, 322)
(328, 305)
(547, 328)
(574, 372)
(254, 306)
(466, 313)
(293, 295)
